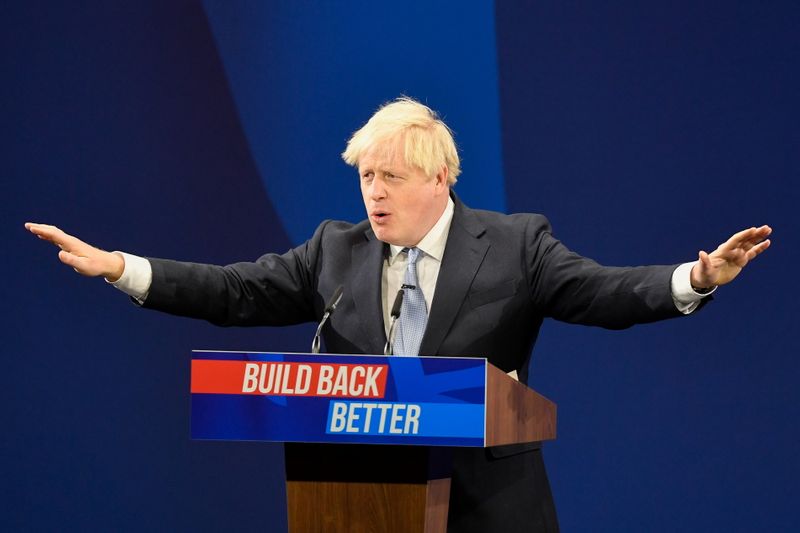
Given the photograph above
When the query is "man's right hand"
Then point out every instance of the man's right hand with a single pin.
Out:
(83, 258)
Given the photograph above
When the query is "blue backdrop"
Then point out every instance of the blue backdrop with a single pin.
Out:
(211, 132)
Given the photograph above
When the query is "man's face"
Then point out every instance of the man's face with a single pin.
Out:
(403, 202)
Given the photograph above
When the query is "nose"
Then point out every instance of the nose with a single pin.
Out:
(377, 189)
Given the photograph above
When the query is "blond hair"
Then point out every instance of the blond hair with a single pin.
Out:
(428, 142)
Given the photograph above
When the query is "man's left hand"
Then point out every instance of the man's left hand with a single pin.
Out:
(723, 264)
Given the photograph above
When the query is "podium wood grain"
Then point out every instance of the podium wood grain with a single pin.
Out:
(353, 488)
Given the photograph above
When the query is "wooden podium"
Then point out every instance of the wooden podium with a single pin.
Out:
(340, 477)
(345, 488)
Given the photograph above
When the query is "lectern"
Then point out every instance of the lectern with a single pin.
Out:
(369, 439)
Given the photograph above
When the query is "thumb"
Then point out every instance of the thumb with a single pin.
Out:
(704, 270)
(705, 261)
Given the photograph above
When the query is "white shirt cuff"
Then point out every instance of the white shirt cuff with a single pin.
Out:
(136, 277)
(683, 294)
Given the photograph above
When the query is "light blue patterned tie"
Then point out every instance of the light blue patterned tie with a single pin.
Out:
(414, 313)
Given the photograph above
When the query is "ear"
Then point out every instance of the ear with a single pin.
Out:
(441, 180)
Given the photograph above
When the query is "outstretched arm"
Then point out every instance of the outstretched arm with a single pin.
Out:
(723, 264)
(274, 290)
(83, 258)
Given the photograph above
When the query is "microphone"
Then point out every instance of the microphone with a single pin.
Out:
(329, 309)
(395, 314)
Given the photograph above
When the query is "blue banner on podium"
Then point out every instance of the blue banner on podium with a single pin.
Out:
(356, 399)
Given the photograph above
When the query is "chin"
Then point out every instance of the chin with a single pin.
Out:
(381, 234)
(387, 237)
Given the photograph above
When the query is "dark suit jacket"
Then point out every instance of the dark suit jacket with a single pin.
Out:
(501, 275)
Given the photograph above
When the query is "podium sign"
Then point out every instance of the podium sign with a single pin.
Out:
(356, 399)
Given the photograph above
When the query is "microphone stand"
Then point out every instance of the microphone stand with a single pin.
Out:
(388, 349)
(332, 303)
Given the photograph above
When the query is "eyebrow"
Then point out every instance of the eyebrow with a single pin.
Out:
(380, 168)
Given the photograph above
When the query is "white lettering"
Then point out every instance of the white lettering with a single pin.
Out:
(412, 418)
(266, 388)
(357, 417)
(356, 388)
(325, 385)
(285, 389)
(279, 370)
(383, 407)
(303, 381)
(368, 416)
(250, 377)
(396, 417)
(338, 413)
(340, 385)
(371, 386)
(352, 417)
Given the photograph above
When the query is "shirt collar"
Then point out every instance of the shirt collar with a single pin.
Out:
(433, 243)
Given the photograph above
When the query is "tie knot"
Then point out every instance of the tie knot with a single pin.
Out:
(413, 254)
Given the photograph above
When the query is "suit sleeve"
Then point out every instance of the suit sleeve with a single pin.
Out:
(578, 290)
(275, 290)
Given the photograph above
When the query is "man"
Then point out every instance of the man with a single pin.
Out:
(476, 283)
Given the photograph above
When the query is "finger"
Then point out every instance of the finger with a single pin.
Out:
(740, 237)
(759, 235)
(758, 248)
(82, 265)
(45, 231)
(60, 238)
(70, 259)
(750, 236)
(36, 227)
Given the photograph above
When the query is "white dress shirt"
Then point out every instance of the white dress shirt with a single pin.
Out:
(428, 264)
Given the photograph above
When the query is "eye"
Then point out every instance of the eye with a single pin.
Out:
(367, 176)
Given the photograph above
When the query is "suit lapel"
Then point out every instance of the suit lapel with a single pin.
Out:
(367, 260)
(463, 256)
